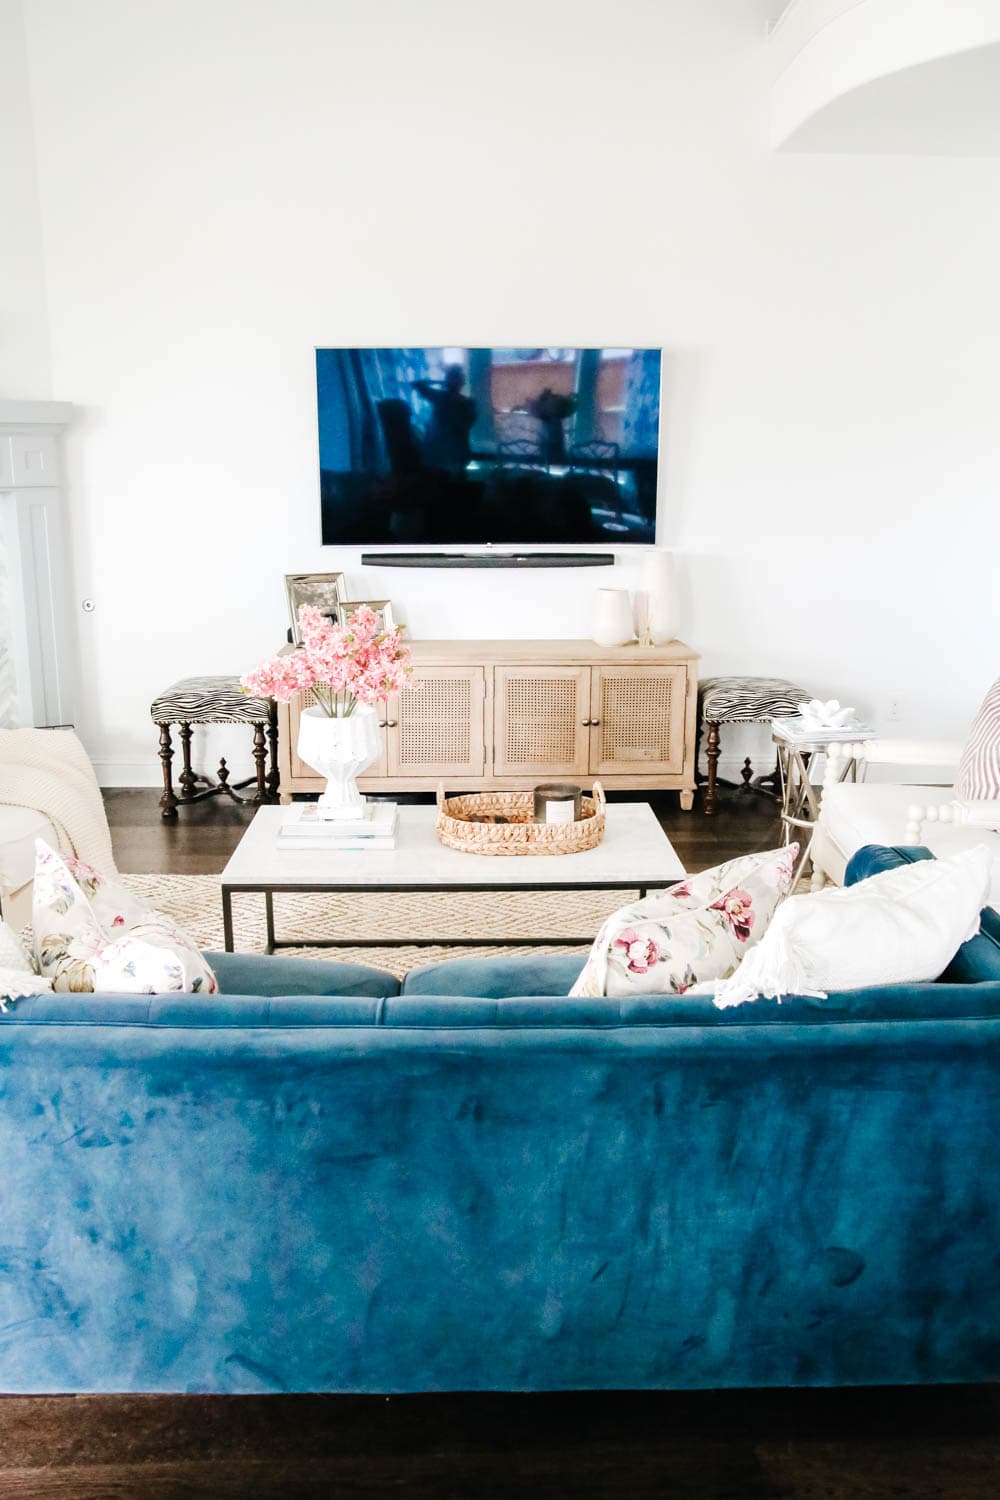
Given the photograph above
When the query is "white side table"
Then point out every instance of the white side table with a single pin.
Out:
(801, 794)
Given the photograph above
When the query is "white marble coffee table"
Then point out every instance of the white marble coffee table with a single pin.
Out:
(635, 855)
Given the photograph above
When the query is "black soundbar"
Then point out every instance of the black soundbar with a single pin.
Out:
(488, 559)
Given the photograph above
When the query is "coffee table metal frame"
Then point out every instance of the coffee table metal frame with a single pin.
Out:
(312, 888)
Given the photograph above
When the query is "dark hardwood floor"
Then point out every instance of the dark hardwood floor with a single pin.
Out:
(752, 1445)
(205, 834)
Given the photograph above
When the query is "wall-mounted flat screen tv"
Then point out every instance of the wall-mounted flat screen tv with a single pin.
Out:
(479, 446)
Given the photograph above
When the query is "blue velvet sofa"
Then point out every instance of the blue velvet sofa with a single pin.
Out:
(314, 1182)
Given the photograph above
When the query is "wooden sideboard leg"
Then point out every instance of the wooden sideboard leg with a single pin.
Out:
(712, 753)
(168, 802)
(687, 801)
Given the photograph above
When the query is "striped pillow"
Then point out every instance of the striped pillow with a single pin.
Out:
(979, 768)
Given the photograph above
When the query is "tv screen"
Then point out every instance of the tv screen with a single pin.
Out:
(473, 446)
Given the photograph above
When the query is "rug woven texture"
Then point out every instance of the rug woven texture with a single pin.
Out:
(195, 902)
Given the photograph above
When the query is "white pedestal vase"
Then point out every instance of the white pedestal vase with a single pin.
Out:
(659, 583)
(339, 749)
(613, 618)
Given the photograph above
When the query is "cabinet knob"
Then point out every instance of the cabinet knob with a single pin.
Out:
(391, 723)
(586, 722)
(383, 723)
(595, 722)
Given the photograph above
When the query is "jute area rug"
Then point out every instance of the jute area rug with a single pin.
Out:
(195, 902)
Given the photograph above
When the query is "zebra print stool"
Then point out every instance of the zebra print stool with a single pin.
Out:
(741, 700)
(214, 700)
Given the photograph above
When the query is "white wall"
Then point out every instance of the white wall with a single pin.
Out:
(843, 50)
(226, 184)
(24, 350)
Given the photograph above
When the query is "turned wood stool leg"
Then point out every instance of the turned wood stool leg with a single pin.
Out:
(712, 753)
(188, 783)
(273, 775)
(168, 802)
(747, 774)
(260, 761)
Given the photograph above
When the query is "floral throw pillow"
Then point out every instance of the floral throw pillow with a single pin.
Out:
(695, 931)
(91, 933)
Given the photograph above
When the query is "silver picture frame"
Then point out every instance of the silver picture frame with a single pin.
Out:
(324, 590)
(382, 607)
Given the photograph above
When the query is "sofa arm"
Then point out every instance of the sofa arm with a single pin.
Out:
(888, 753)
(902, 752)
(979, 814)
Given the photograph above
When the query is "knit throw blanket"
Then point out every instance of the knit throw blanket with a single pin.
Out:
(48, 770)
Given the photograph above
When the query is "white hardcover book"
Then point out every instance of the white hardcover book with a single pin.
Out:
(303, 821)
(341, 845)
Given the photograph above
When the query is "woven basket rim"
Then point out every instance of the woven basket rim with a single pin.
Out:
(520, 837)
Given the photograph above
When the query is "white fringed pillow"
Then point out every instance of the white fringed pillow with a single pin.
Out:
(901, 927)
(17, 973)
(979, 768)
(698, 930)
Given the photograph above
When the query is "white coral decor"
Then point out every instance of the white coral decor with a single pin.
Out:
(818, 715)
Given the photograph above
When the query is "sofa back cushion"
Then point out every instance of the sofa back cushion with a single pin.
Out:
(976, 960)
(271, 974)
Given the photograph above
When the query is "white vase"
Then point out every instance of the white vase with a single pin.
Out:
(339, 749)
(658, 581)
(613, 618)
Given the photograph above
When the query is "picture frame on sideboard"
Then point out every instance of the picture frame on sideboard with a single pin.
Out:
(382, 607)
(324, 590)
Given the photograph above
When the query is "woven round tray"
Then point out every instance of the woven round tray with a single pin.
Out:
(520, 834)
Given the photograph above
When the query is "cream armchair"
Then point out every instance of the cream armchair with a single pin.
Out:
(855, 811)
(48, 790)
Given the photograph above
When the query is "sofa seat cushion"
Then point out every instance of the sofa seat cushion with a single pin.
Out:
(496, 978)
(269, 974)
(873, 813)
(976, 960)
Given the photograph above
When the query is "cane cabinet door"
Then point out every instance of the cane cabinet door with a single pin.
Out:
(299, 767)
(637, 720)
(541, 721)
(435, 727)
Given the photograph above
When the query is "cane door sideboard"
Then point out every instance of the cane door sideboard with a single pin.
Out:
(436, 728)
(508, 714)
(541, 721)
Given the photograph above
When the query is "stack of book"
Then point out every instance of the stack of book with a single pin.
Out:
(303, 827)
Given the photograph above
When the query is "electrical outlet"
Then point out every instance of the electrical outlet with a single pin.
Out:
(894, 708)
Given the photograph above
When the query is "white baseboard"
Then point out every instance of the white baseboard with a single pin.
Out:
(112, 771)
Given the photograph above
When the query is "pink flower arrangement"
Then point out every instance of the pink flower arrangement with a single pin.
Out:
(735, 907)
(640, 954)
(344, 665)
